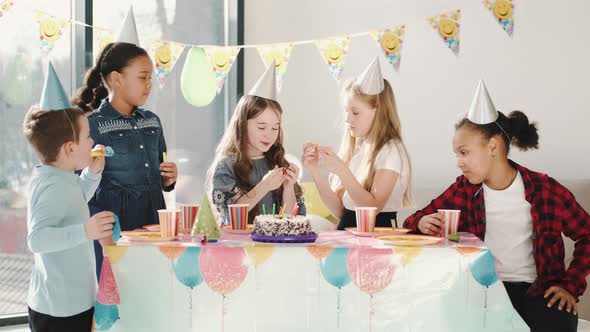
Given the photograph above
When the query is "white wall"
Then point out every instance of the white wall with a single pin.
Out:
(543, 70)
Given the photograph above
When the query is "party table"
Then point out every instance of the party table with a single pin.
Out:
(339, 283)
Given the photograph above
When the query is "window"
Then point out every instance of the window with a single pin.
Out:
(191, 133)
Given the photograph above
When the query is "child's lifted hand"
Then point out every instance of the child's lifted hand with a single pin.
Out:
(100, 225)
(290, 174)
(311, 157)
(169, 171)
(97, 164)
(273, 179)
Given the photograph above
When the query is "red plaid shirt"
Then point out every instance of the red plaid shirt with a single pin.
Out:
(554, 210)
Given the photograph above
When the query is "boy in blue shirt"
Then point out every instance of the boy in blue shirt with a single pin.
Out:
(63, 286)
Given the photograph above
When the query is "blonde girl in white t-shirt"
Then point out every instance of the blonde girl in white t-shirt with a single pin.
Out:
(373, 167)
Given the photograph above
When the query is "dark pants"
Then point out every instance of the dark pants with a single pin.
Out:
(81, 322)
(535, 313)
(383, 219)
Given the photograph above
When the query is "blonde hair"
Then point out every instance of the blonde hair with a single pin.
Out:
(386, 127)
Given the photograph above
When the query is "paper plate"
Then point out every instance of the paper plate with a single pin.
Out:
(379, 231)
(410, 240)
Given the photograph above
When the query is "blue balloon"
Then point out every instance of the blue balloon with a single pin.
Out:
(334, 268)
(105, 316)
(483, 269)
(186, 268)
(116, 230)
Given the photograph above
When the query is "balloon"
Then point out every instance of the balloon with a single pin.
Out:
(260, 252)
(223, 268)
(114, 253)
(186, 268)
(408, 254)
(108, 293)
(483, 269)
(319, 252)
(197, 80)
(334, 268)
(172, 252)
(105, 316)
(371, 269)
(314, 203)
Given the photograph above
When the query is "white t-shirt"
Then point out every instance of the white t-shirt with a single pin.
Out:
(509, 231)
(390, 157)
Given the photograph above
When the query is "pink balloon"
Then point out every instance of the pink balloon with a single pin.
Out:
(108, 293)
(370, 269)
(223, 268)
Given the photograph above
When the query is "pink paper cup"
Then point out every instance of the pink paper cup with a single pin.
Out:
(365, 218)
(451, 221)
(169, 222)
(238, 216)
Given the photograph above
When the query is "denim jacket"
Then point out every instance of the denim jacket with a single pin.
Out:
(131, 184)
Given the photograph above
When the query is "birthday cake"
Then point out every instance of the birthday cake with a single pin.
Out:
(272, 225)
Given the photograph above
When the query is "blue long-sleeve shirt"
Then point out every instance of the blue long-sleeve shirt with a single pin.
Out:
(63, 280)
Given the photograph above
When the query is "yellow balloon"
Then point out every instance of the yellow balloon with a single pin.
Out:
(115, 253)
(408, 253)
(313, 202)
(260, 252)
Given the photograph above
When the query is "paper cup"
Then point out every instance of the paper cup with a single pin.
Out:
(238, 216)
(451, 221)
(365, 218)
(189, 214)
(169, 222)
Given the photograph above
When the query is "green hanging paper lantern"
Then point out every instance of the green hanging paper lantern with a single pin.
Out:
(197, 80)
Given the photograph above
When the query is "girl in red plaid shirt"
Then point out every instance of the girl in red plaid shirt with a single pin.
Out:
(520, 215)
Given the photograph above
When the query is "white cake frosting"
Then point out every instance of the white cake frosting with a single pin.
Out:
(270, 225)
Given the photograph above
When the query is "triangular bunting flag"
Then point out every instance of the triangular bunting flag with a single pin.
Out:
(447, 25)
(503, 11)
(280, 54)
(108, 293)
(334, 51)
(165, 54)
(5, 6)
(102, 38)
(50, 30)
(221, 60)
(391, 41)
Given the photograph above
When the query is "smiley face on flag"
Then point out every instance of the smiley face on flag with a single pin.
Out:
(49, 29)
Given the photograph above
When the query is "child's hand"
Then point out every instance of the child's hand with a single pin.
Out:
(97, 164)
(291, 175)
(431, 224)
(100, 225)
(169, 172)
(331, 161)
(564, 297)
(311, 157)
(273, 179)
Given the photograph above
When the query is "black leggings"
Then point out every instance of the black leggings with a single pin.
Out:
(535, 313)
(383, 219)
